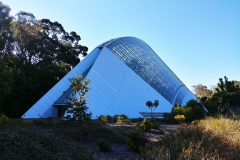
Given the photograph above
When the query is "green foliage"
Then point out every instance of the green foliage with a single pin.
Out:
(109, 118)
(6, 82)
(135, 140)
(77, 108)
(5, 20)
(123, 119)
(161, 130)
(179, 118)
(34, 55)
(152, 105)
(115, 117)
(192, 111)
(103, 119)
(103, 146)
(154, 123)
(225, 97)
(233, 112)
(4, 119)
(146, 125)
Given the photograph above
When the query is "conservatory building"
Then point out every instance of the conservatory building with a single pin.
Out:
(125, 73)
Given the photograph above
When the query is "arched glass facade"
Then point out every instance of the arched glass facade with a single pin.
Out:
(137, 55)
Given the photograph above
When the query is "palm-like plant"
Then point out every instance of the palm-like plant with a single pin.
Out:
(152, 105)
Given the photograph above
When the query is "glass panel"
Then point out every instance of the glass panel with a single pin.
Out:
(148, 65)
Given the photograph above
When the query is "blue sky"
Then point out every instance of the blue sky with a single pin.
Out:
(198, 40)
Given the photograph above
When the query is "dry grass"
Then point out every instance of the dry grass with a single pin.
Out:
(207, 139)
(227, 128)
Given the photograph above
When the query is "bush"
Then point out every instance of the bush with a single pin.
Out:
(103, 146)
(103, 119)
(123, 119)
(161, 130)
(109, 118)
(154, 123)
(146, 125)
(135, 140)
(233, 112)
(192, 111)
(114, 118)
(4, 119)
(179, 118)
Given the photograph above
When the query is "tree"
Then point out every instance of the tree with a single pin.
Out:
(77, 106)
(34, 55)
(201, 91)
(6, 80)
(5, 20)
(225, 97)
(152, 105)
(42, 42)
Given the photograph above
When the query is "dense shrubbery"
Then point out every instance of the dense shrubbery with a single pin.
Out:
(225, 97)
(122, 119)
(192, 111)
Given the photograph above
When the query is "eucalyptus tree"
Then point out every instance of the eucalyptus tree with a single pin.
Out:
(43, 42)
(5, 20)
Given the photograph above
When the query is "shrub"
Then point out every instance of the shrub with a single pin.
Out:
(123, 119)
(114, 118)
(179, 118)
(146, 125)
(135, 140)
(154, 123)
(103, 119)
(39, 122)
(4, 119)
(192, 111)
(103, 146)
(233, 112)
(161, 130)
(109, 118)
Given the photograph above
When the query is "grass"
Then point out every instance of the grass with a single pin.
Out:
(206, 139)
(52, 139)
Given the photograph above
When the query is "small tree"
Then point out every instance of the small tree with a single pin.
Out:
(152, 105)
(77, 105)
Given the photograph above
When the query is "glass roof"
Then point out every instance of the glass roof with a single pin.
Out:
(140, 57)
